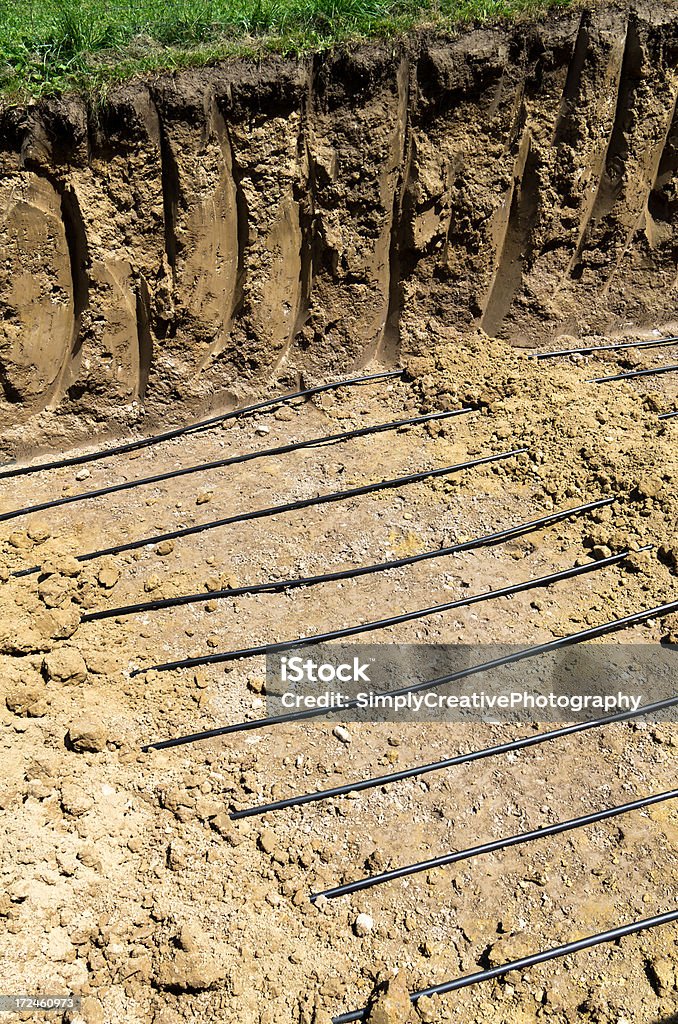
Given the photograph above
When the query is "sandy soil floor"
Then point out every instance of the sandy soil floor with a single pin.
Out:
(124, 878)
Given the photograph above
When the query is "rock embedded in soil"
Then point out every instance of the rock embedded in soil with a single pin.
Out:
(342, 734)
(363, 925)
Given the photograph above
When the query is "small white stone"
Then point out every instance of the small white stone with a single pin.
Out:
(363, 925)
(341, 734)
(82, 474)
(262, 430)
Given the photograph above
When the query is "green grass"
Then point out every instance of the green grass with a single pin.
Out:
(50, 46)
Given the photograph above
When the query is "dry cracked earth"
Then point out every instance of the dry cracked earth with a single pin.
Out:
(124, 878)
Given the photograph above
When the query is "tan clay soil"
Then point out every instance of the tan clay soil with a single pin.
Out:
(441, 204)
(198, 233)
(124, 878)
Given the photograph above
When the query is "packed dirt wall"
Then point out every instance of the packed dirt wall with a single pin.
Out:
(194, 235)
(442, 204)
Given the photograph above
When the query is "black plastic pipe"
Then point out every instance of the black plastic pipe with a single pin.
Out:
(275, 586)
(205, 467)
(668, 415)
(291, 506)
(167, 435)
(652, 372)
(613, 935)
(393, 620)
(450, 762)
(498, 844)
(592, 349)
(528, 652)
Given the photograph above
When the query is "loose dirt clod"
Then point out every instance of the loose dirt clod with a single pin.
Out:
(391, 1004)
(87, 735)
(61, 565)
(65, 665)
(108, 577)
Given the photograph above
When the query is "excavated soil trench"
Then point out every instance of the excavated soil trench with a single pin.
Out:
(446, 206)
(207, 231)
(124, 879)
